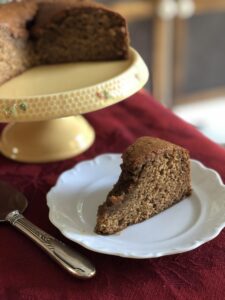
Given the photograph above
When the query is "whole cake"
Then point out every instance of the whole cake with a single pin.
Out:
(155, 175)
(60, 31)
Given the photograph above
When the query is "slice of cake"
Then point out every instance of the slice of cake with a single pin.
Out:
(155, 175)
(36, 32)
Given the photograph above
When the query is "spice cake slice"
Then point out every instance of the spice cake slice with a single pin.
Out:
(155, 175)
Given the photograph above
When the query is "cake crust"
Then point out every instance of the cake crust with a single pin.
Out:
(145, 149)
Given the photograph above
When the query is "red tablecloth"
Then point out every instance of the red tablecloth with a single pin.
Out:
(28, 273)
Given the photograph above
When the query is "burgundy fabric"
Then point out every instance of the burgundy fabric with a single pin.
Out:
(28, 273)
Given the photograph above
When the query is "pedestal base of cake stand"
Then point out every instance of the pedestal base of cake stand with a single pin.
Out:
(47, 141)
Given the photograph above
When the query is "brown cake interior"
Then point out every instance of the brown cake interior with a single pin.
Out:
(82, 34)
(149, 183)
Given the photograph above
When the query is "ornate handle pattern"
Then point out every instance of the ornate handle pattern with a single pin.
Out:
(70, 260)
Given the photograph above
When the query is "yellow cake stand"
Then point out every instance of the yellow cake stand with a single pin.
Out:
(43, 106)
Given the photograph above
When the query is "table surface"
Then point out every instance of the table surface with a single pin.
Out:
(26, 272)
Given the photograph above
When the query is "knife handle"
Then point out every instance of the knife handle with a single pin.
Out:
(71, 261)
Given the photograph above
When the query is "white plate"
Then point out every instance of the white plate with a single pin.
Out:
(74, 200)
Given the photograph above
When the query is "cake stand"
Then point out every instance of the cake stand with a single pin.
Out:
(43, 106)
